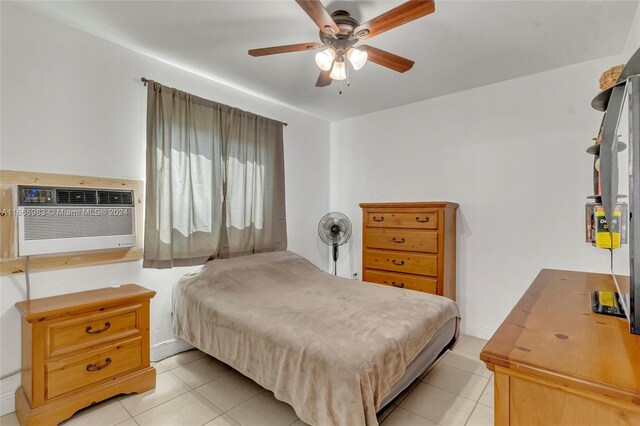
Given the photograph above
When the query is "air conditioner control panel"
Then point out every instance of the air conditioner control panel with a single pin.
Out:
(30, 195)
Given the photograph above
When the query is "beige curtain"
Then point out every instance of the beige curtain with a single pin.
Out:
(215, 181)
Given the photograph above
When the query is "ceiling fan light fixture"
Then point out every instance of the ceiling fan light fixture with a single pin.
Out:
(357, 57)
(339, 71)
(324, 59)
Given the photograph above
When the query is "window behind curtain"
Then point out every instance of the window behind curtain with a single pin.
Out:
(215, 181)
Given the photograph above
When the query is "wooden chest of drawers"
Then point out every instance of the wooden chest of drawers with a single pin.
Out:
(410, 245)
(81, 348)
(558, 363)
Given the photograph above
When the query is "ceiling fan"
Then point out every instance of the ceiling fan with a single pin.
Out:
(339, 32)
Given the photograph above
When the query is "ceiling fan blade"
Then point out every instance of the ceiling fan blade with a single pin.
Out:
(387, 59)
(284, 49)
(319, 15)
(400, 15)
(323, 79)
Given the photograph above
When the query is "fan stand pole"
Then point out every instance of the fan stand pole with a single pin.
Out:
(335, 259)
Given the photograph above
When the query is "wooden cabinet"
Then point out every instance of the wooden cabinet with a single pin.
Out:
(82, 348)
(558, 363)
(410, 245)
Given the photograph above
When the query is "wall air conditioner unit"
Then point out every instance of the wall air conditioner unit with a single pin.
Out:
(60, 220)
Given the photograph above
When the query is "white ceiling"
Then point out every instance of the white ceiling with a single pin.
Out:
(464, 44)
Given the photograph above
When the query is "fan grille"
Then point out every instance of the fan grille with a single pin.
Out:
(334, 228)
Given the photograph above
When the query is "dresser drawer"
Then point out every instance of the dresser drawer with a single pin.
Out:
(411, 282)
(78, 371)
(413, 263)
(418, 220)
(91, 329)
(402, 239)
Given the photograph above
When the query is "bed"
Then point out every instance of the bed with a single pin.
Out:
(336, 350)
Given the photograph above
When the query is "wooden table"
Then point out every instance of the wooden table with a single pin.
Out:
(557, 363)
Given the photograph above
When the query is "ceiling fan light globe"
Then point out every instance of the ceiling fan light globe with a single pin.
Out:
(339, 71)
(324, 59)
(357, 58)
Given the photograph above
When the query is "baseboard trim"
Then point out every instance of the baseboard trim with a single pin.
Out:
(168, 348)
(476, 331)
(8, 396)
(159, 351)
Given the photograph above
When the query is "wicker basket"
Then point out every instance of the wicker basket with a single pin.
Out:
(610, 77)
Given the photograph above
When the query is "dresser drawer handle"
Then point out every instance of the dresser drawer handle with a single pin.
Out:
(399, 285)
(426, 219)
(107, 325)
(397, 263)
(378, 219)
(398, 241)
(98, 367)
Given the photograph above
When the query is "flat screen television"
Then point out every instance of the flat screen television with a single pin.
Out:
(622, 167)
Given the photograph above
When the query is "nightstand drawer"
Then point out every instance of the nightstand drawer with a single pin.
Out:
(411, 263)
(402, 239)
(78, 371)
(410, 282)
(418, 220)
(91, 329)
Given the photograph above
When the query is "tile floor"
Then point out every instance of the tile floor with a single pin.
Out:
(195, 389)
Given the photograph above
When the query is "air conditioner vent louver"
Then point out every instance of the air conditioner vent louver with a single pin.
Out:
(62, 197)
(115, 197)
(79, 196)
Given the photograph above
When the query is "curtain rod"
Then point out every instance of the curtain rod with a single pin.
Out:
(144, 82)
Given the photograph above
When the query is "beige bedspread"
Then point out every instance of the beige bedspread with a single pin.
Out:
(330, 347)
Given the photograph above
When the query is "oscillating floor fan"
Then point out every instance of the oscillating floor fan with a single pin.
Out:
(335, 230)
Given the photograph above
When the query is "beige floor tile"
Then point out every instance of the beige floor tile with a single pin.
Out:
(223, 420)
(168, 386)
(263, 410)
(185, 410)
(438, 405)
(9, 420)
(467, 362)
(402, 417)
(471, 345)
(487, 397)
(230, 390)
(481, 416)
(129, 422)
(106, 413)
(181, 359)
(199, 372)
(159, 368)
(457, 381)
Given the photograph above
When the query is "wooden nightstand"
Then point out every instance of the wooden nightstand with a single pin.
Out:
(82, 348)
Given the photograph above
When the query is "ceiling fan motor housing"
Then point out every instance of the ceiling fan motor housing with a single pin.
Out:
(345, 38)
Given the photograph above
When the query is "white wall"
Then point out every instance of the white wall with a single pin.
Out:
(512, 154)
(73, 103)
(633, 39)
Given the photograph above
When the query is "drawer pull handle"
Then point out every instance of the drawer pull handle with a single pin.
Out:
(89, 330)
(399, 285)
(397, 263)
(426, 219)
(98, 367)
(378, 219)
(398, 241)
